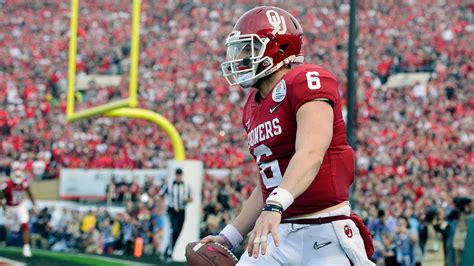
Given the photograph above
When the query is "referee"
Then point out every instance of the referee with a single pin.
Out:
(178, 194)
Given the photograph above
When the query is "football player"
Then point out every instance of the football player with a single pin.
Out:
(300, 213)
(11, 194)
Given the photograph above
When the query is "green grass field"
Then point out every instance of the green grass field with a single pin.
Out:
(49, 258)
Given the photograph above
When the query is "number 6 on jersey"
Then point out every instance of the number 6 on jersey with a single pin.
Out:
(276, 177)
(314, 82)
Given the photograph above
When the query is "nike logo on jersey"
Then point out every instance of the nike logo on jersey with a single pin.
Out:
(272, 109)
(318, 246)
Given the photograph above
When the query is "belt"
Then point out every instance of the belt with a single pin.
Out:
(319, 220)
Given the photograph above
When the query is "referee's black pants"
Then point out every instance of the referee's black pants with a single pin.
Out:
(177, 221)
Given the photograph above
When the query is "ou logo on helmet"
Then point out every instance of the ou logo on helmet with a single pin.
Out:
(277, 21)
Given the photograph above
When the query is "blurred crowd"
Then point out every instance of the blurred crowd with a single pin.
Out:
(436, 235)
(97, 231)
(414, 143)
(181, 47)
(120, 191)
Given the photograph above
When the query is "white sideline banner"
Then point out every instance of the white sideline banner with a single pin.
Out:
(79, 183)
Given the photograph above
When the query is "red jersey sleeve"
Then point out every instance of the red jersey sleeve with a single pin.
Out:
(311, 84)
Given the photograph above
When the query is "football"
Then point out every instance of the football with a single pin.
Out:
(211, 253)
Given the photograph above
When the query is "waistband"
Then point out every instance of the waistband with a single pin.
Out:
(341, 213)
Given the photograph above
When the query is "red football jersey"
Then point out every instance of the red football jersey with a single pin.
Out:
(13, 193)
(271, 127)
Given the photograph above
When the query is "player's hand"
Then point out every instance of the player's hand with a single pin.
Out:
(217, 239)
(267, 223)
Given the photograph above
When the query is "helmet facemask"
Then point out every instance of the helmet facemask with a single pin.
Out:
(245, 62)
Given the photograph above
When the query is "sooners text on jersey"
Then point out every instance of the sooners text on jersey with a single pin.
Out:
(13, 193)
(270, 124)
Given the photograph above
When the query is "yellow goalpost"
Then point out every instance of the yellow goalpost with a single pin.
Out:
(121, 108)
(193, 169)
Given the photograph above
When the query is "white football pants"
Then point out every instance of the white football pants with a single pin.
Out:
(16, 215)
(307, 244)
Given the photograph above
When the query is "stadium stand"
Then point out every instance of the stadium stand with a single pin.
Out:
(414, 142)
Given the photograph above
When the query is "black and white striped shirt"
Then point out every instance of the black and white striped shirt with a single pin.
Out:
(176, 194)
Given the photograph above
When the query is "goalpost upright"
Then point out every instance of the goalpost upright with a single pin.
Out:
(124, 107)
(193, 170)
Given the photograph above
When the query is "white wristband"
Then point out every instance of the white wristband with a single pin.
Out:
(231, 236)
(282, 197)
